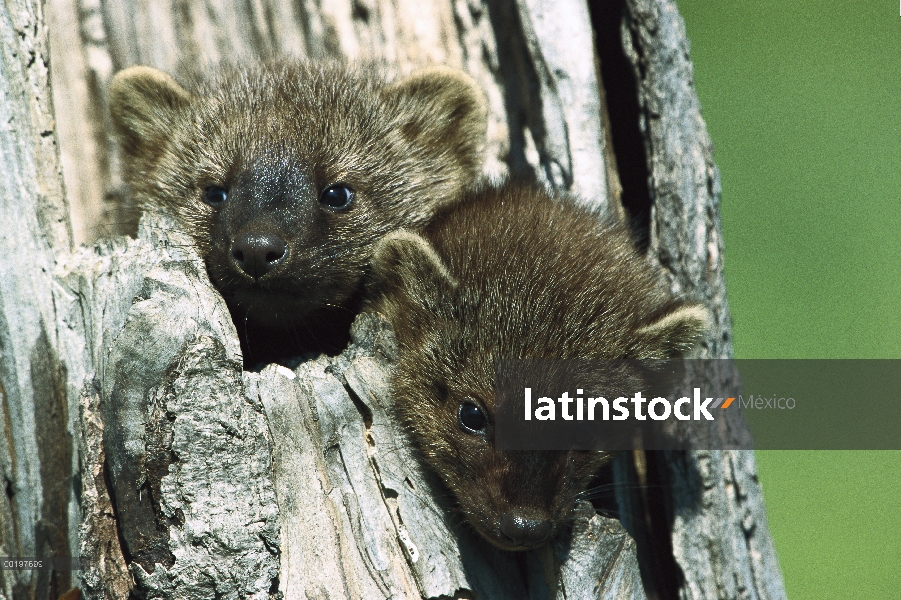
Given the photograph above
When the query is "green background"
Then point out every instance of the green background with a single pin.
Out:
(803, 102)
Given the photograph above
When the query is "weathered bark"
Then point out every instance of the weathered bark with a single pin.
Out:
(712, 502)
(133, 438)
(36, 449)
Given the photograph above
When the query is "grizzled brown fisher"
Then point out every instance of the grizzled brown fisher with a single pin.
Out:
(511, 272)
(286, 174)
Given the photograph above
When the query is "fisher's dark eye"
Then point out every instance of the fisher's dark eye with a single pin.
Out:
(472, 418)
(337, 197)
(214, 195)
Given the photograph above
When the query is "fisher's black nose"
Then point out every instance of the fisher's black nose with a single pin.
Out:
(258, 253)
(525, 532)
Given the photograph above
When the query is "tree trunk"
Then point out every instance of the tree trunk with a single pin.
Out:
(37, 450)
(135, 440)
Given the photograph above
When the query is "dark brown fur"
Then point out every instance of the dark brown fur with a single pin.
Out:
(274, 137)
(512, 273)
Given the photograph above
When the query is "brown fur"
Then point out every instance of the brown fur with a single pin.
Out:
(275, 136)
(512, 273)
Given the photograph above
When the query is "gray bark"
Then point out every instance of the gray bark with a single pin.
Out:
(36, 456)
(134, 439)
(720, 537)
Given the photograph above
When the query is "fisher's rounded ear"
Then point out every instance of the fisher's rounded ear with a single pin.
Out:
(142, 101)
(407, 273)
(673, 331)
(443, 109)
(407, 260)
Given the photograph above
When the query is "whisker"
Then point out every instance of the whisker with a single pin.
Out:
(612, 487)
